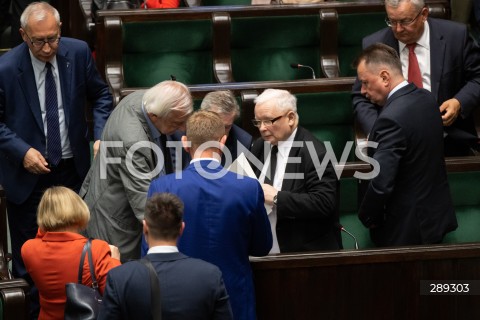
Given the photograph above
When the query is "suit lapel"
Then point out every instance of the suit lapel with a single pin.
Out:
(436, 60)
(65, 74)
(26, 81)
(391, 41)
(287, 184)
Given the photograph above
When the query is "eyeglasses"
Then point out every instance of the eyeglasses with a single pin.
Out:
(267, 123)
(40, 43)
(403, 23)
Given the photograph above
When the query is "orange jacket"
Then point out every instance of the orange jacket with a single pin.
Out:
(152, 4)
(52, 260)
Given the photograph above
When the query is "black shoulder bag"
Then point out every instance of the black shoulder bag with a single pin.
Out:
(156, 306)
(83, 302)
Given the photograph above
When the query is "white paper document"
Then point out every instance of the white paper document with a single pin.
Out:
(242, 167)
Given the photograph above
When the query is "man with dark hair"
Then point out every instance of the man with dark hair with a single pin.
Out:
(437, 55)
(409, 201)
(190, 288)
(223, 228)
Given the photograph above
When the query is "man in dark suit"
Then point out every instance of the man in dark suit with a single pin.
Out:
(449, 63)
(189, 288)
(409, 201)
(302, 188)
(27, 166)
(224, 213)
(224, 103)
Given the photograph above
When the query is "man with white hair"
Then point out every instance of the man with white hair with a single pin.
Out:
(133, 152)
(301, 190)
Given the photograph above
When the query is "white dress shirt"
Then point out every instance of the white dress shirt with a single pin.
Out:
(282, 159)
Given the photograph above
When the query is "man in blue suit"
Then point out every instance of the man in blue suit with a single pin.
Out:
(189, 288)
(225, 217)
(25, 73)
(449, 64)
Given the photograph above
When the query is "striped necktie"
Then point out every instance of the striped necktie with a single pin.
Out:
(54, 142)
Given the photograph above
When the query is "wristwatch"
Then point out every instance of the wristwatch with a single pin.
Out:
(275, 199)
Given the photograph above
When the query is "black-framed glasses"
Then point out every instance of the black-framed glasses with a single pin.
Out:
(267, 123)
(403, 23)
(37, 43)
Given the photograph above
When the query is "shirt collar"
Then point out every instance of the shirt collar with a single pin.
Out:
(398, 87)
(284, 146)
(39, 66)
(203, 159)
(153, 130)
(162, 249)
(423, 41)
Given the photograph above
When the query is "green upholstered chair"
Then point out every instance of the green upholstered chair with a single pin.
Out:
(348, 207)
(352, 28)
(262, 48)
(465, 190)
(328, 115)
(153, 51)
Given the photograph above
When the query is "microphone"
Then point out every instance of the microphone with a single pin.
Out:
(339, 226)
(298, 66)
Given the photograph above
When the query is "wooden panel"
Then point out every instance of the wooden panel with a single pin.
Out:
(366, 284)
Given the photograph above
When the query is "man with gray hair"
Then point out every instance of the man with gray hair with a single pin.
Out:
(225, 105)
(301, 190)
(437, 55)
(133, 152)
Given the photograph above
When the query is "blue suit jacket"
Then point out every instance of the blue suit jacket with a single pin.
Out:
(409, 200)
(225, 222)
(189, 289)
(455, 73)
(21, 125)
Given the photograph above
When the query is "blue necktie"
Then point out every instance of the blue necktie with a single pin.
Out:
(54, 143)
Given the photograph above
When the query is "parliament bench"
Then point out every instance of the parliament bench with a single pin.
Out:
(372, 284)
(202, 45)
(324, 106)
(464, 178)
(13, 292)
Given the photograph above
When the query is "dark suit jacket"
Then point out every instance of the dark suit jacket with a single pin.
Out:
(306, 208)
(409, 200)
(225, 223)
(455, 73)
(21, 125)
(235, 136)
(189, 289)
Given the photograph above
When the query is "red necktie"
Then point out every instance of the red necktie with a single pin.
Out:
(414, 74)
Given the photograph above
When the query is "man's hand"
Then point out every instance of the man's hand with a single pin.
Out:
(96, 147)
(450, 110)
(269, 192)
(115, 252)
(34, 162)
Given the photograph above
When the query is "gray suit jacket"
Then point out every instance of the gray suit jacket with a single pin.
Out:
(114, 192)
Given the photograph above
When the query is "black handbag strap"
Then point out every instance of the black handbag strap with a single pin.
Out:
(87, 248)
(156, 305)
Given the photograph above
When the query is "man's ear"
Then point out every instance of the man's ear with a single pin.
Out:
(145, 230)
(223, 140)
(185, 144)
(385, 75)
(182, 228)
